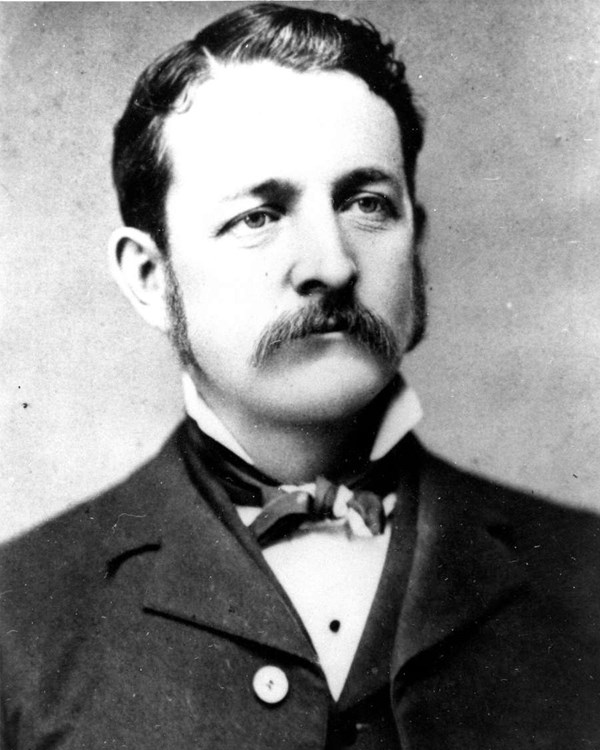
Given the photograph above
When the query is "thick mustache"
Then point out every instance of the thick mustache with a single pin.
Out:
(321, 316)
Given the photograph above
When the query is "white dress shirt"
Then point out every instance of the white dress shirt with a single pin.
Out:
(329, 575)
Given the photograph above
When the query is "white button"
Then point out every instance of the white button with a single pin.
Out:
(270, 684)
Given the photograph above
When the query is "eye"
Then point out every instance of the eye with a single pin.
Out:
(256, 219)
(254, 222)
(371, 206)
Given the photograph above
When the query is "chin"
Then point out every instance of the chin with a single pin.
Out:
(330, 395)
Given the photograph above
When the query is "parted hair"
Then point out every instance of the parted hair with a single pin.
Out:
(297, 38)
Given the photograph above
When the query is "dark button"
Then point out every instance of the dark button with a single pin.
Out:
(334, 626)
(342, 733)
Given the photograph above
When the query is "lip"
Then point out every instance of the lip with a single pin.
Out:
(337, 335)
(330, 327)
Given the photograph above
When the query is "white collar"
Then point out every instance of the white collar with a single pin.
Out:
(401, 416)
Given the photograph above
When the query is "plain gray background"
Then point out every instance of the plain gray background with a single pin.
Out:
(509, 375)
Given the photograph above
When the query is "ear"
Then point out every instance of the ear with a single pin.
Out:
(138, 267)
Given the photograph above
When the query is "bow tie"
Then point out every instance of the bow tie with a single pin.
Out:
(287, 507)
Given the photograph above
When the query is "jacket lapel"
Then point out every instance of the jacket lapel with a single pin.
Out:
(209, 572)
(461, 566)
(204, 572)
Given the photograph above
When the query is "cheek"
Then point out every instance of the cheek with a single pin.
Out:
(226, 316)
(219, 277)
(388, 285)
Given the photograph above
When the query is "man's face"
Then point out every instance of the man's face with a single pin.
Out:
(291, 237)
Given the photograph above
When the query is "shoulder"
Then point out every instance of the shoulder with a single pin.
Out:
(541, 532)
(66, 557)
(459, 490)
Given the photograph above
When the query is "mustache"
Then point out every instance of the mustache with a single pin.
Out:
(326, 316)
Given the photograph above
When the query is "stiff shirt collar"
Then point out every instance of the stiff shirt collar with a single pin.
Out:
(401, 416)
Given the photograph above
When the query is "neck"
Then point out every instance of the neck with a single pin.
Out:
(298, 453)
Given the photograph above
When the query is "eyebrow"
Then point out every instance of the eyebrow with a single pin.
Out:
(273, 189)
(283, 191)
(359, 178)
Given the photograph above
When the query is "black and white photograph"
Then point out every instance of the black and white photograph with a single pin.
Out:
(300, 375)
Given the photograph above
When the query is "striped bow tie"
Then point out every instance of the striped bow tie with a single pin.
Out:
(288, 506)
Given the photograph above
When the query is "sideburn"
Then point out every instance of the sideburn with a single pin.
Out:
(419, 302)
(178, 328)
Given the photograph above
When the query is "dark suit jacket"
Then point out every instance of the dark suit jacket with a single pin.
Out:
(138, 620)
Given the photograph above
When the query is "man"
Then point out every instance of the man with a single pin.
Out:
(293, 570)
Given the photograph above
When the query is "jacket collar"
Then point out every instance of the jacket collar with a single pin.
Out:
(463, 565)
(208, 571)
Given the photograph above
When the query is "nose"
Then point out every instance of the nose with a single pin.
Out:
(323, 261)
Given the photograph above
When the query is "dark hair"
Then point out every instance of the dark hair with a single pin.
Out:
(296, 38)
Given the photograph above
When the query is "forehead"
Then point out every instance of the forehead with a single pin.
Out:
(259, 121)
